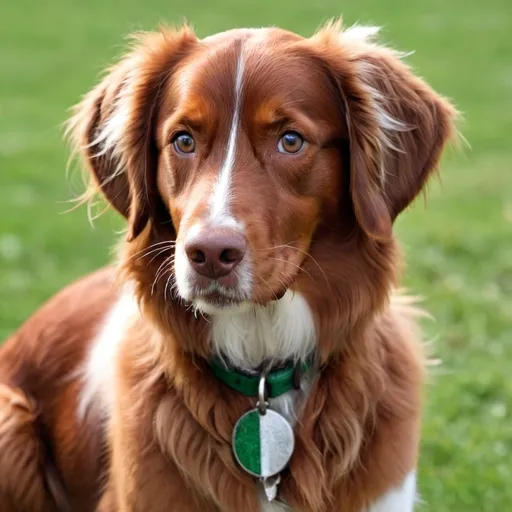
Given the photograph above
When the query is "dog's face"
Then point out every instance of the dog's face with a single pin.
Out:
(249, 135)
(255, 144)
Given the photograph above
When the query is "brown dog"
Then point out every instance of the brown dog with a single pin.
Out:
(260, 173)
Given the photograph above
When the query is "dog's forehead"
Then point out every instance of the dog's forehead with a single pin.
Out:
(267, 63)
(218, 57)
(251, 36)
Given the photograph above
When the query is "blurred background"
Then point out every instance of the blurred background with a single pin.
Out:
(458, 242)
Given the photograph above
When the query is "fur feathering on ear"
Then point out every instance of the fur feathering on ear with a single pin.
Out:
(398, 126)
(112, 128)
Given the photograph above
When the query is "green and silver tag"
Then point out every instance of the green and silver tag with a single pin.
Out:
(263, 442)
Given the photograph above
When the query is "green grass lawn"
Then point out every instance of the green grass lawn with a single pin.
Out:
(458, 243)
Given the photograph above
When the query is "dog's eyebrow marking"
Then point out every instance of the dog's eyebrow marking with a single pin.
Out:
(219, 201)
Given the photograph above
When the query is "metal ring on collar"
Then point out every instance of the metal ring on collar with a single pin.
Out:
(262, 391)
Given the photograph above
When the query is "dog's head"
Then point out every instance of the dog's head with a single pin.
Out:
(247, 153)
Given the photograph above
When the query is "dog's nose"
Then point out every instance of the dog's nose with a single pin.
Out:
(216, 252)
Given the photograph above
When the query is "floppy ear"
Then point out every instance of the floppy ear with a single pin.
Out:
(397, 124)
(113, 126)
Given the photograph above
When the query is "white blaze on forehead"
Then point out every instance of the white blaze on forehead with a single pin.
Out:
(219, 201)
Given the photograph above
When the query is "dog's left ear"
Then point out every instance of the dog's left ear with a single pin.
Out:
(397, 125)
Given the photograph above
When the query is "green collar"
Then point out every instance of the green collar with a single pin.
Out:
(278, 381)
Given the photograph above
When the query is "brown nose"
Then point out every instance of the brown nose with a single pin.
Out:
(216, 252)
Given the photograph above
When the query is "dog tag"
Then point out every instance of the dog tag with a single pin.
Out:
(270, 486)
(263, 444)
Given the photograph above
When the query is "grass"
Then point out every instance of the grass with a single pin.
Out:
(458, 244)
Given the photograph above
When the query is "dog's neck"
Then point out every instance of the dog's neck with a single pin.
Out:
(281, 331)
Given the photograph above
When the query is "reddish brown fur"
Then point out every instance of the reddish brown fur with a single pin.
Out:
(170, 435)
(42, 359)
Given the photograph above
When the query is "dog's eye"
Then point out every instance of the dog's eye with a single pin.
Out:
(184, 143)
(290, 142)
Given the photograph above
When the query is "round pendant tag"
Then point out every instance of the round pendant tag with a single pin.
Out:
(263, 443)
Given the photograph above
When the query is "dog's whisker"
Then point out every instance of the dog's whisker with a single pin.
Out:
(165, 262)
(302, 269)
(302, 251)
(313, 259)
(154, 245)
(204, 318)
(284, 285)
(151, 249)
(166, 287)
(270, 288)
(163, 266)
(278, 246)
(157, 254)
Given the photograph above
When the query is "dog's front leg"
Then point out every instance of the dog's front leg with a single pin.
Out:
(149, 485)
(142, 478)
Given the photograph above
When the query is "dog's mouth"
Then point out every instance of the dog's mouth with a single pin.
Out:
(215, 298)
(217, 304)
(230, 301)
(219, 299)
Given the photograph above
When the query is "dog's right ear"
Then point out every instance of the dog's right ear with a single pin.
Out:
(88, 128)
(113, 126)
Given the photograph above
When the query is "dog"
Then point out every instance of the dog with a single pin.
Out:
(249, 349)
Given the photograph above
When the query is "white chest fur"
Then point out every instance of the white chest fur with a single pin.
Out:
(283, 330)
